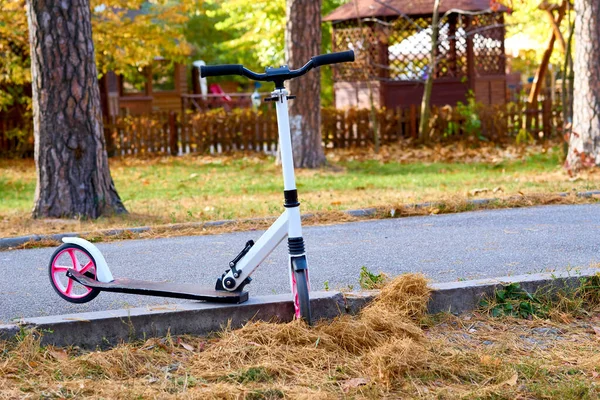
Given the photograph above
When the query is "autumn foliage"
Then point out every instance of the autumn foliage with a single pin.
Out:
(127, 34)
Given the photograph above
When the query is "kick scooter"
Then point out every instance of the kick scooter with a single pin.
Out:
(79, 272)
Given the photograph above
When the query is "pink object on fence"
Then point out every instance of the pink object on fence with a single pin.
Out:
(216, 89)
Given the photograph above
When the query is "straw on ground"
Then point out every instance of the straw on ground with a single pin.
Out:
(391, 349)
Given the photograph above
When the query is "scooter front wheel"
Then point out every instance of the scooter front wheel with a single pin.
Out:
(72, 256)
(301, 296)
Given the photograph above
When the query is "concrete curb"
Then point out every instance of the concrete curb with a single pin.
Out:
(107, 328)
(7, 243)
(463, 296)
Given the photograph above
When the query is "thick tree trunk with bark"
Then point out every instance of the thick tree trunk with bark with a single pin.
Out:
(73, 179)
(302, 41)
(584, 142)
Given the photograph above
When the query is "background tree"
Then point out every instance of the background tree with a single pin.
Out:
(584, 141)
(256, 32)
(251, 33)
(302, 41)
(15, 68)
(127, 34)
(130, 33)
(73, 179)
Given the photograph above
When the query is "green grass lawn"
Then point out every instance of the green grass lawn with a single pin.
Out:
(169, 190)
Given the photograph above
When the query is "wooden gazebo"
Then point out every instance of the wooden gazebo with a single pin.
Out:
(392, 43)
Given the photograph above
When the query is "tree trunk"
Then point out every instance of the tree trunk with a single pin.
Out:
(73, 179)
(584, 142)
(302, 41)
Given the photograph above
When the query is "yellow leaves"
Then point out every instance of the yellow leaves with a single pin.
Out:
(489, 360)
(58, 354)
(125, 32)
(512, 381)
(130, 33)
(259, 30)
(14, 50)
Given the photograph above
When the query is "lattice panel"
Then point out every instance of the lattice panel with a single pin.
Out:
(409, 44)
(452, 48)
(364, 43)
(488, 44)
(399, 50)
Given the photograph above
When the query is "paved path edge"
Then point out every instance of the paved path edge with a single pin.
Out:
(104, 329)
(11, 242)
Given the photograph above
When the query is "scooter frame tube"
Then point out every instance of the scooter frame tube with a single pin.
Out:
(289, 224)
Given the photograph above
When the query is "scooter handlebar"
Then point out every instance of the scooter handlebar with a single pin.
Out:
(277, 74)
(333, 58)
(219, 70)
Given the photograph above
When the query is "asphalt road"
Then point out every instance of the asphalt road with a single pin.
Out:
(443, 247)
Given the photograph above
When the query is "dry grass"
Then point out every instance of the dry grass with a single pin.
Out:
(391, 350)
(452, 204)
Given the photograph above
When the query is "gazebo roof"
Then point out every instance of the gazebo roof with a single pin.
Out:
(390, 8)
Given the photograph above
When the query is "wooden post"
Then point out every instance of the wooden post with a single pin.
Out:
(535, 128)
(400, 121)
(547, 118)
(413, 121)
(173, 142)
(470, 56)
(452, 19)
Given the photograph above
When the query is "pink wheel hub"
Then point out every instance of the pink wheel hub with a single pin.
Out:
(71, 258)
(295, 294)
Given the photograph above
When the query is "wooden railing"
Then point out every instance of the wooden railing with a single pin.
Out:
(245, 129)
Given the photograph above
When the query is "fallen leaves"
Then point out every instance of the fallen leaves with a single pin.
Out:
(353, 383)
(186, 346)
(58, 354)
(407, 152)
(512, 381)
(475, 192)
(478, 191)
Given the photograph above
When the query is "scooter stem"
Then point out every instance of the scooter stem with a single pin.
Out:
(287, 163)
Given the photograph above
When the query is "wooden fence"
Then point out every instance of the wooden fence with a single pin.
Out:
(245, 129)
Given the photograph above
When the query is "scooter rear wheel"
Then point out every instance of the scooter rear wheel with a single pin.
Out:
(301, 296)
(72, 256)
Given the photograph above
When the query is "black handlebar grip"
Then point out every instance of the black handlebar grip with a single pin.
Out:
(333, 58)
(219, 70)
